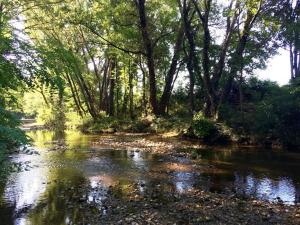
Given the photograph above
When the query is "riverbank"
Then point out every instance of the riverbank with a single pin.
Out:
(198, 128)
(181, 128)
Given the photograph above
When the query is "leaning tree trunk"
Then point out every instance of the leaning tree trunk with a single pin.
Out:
(74, 95)
(237, 60)
(165, 98)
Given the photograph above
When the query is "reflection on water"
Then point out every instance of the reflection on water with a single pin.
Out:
(266, 188)
(27, 191)
(259, 173)
(183, 181)
(58, 182)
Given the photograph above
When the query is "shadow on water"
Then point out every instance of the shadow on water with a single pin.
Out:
(57, 186)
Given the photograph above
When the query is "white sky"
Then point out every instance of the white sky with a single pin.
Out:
(278, 68)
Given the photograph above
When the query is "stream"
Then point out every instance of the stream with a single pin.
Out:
(50, 184)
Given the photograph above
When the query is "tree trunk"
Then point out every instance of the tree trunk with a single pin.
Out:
(111, 106)
(211, 95)
(295, 62)
(74, 95)
(149, 55)
(117, 90)
(189, 66)
(144, 98)
(237, 60)
(104, 87)
(219, 67)
(165, 98)
(101, 84)
(130, 82)
(191, 59)
(87, 95)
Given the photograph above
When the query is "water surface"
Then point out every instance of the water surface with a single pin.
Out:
(47, 187)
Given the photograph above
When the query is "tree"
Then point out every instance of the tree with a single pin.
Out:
(107, 37)
(221, 63)
(11, 79)
(290, 33)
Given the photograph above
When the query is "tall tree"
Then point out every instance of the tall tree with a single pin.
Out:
(289, 16)
(222, 62)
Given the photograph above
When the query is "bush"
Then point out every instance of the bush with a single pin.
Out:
(75, 121)
(142, 125)
(102, 124)
(152, 124)
(202, 127)
(270, 115)
(279, 119)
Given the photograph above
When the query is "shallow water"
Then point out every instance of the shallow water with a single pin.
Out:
(43, 191)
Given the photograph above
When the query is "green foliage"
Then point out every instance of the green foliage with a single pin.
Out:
(33, 104)
(103, 122)
(203, 127)
(269, 113)
(142, 125)
(74, 121)
(52, 117)
(279, 118)
(10, 81)
(88, 60)
(176, 123)
(10, 134)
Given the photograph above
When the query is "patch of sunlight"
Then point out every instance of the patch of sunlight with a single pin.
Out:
(170, 134)
(178, 167)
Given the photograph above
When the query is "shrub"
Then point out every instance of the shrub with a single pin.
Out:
(270, 115)
(74, 120)
(279, 118)
(202, 127)
(144, 124)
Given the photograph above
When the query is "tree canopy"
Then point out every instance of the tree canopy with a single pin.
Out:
(131, 58)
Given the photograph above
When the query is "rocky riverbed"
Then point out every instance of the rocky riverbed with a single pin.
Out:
(193, 207)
